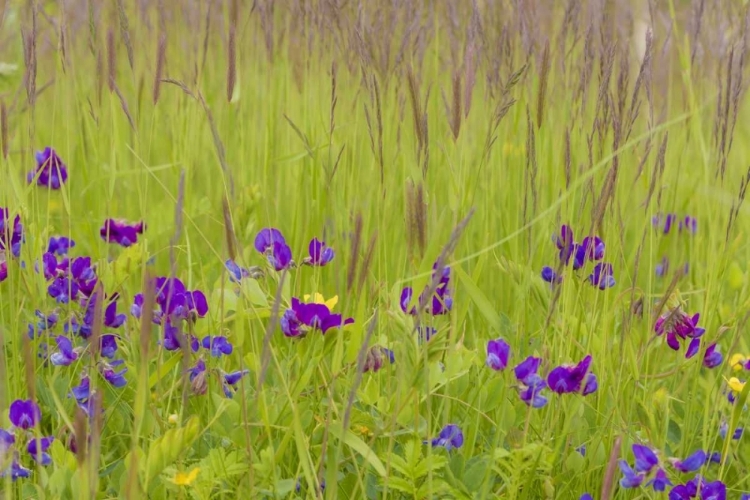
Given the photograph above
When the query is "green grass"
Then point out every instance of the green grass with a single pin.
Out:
(304, 412)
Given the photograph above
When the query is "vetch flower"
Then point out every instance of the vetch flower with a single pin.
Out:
(715, 490)
(7, 440)
(693, 348)
(50, 170)
(691, 463)
(60, 245)
(236, 273)
(115, 378)
(46, 322)
(271, 243)
(531, 384)
(677, 325)
(630, 478)
(441, 301)
(724, 429)
(24, 413)
(660, 481)
(450, 437)
(230, 381)
(586, 496)
(320, 254)
(11, 235)
(65, 354)
(16, 470)
(498, 352)
(565, 243)
(121, 232)
(302, 317)
(602, 276)
(550, 276)
(664, 222)
(217, 345)
(82, 392)
(689, 223)
(39, 451)
(645, 458)
(571, 378)
(712, 357)
(108, 345)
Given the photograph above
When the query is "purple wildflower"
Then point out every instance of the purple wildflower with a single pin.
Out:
(50, 170)
(115, 378)
(693, 348)
(498, 352)
(200, 367)
(712, 358)
(565, 243)
(630, 478)
(60, 245)
(664, 222)
(586, 496)
(715, 490)
(39, 452)
(302, 317)
(82, 392)
(236, 273)
(550, 276)
(16, 470)
(217, 345)
(320, 254)
(10, 238)
(645, 458)
(46, 322)
(660, 481)
(271, 243)
(602, 276)
(266, 238)
(230, 380)
(121, 232)
(724, 429)
(450, 437)
(7, 439)
(689, 223)
(24, 413)
(108, 345)
(65, 354)
(531, 384)
(570, 378)
(691, 463)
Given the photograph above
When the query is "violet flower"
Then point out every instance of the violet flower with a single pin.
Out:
(217, 345)
(602, 276)
(39, 452)
(691, 463)
(630, 478)
(664, 222)
(302, 317)
(645, 458)
(24, 413)
(498, 352)
(65, 355)
(82, 391)
(450, 437)
(573, 378)
(689, 223)
(115, 378)
(441, 302)
(320, 254)
(230, 380)
(712, 358)
(60, 245)
(550, 276)
(16, 470)
(271, 243)
(10, 237)
(531, 384)
(108, 345)
(121, 232)
(46, 322)
(660, 481)
(236, 273)
(715, 490)
(50, 170)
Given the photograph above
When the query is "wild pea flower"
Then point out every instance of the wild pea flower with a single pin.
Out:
(602, 276)
(565, 243)
(571, 378)
(531, 384)
(79, 279)
(39, 451)
(450, 437)
(60, 245)
(230, 381)
(688, 223)
(175, 302)
(550, 276)
(11, 235)
(46, 322)
(686, 491)
(236, 273)
(442, 301)
(270, 242)
(691, 463)
(65, 355)
(111, 318)
(586, 496)
(24, 413)
(678, 325)
(81, 392)
(217, 345)
(50, 170)
(302, 317)
(115, 378)
(498, 352)
(590, 249)
(660, 481)
(121, 232)
(724, 429)
(108, 345)
(630, 478)
(712, 358)
(664, 222)
(715, 490)
(16, 470)
(320, 253)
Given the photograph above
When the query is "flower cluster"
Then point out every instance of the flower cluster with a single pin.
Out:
(441, 302)
(591, 249)
(450, 437)
(198, 376)
(24, 415)
(677, 326)
(271, 243)
(50, 170)
(303, 317)
(121, 232)
(665, 222)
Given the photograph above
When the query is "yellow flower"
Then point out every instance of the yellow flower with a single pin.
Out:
(363, 430)
(173, 419)
(737, 362)
(319, 299)
(182, 479)
(735, 384)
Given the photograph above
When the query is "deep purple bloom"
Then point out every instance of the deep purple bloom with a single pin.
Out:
(724, 429)
(3, 268)
(498, 352)
(530, 391)
(713, 357)
(678, 325)
(108, 345)
(116, 378)
(200, 367)
(172, 337)
(39, 453)
(302, 317)
(266, 238)
(121, 232)
(693, 348)
(406, 295)
(527, 368)
(714, 457)
(691, 463)
(10, 238)
(630, 478)
(271, 243)
(582, 450)
(16, 470)
(602, 276)
(450, 437)
(60, 245)
(664, 222)
(50, 170)
(320, 254)
(24, 413)
(65, 354)
(217, 345)
(63, 289)
(565, 243)
(590, 249)
(230, 380)
(175, 301)
(82, 392)
(586, 496)
(45, 323)
(236, 273)
(660, 481)
(689, 223)
(645, 458)
(550, 276)
(570, 378)
(714, 491)
(291, 326)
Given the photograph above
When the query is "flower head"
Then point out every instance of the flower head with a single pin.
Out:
(712, 357)
(121, 232)
(65, 354)
(50, 170)
(24, 413)
(82, 392)
(660, 481)
(645, 458)
(550, 276)
(302, 317)
(217, 345)
(571, 378)
(630, 478)
(320, 254)
(11, 235)
(664, 222)
(689, 224)
(602, 276)
(498, 352)
(60, 245)
(450, 437)
(115, 378)
(691, 463)
(530, 383)
(236, 273)
(39, 451)
(271, 243)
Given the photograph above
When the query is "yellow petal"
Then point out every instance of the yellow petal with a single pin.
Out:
(735, 384)
(319, 299)
(736, 361)
(331, 303)
(183, 479)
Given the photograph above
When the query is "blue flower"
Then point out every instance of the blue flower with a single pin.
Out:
(691, 463)
(236, 273)
(550, 276)
(450, 437)
(82, 392)
(712, 358)
(630, 478)
(39, 452)
(498, 352)
(115, 378)
(108, 345)
(645, 458)
(602, 276)
(271, 243)
(24, 413)
(320, 254)
(660, 481)
(573, 378)
(50, 170)
(217, 345)
(230, 380)
(65, 354)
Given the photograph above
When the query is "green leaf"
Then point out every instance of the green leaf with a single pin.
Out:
(168, 448)
(479, 299)
(163, 370)
(252, 291)
(355, 443)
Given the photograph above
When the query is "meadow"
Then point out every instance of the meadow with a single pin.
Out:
(374, 249)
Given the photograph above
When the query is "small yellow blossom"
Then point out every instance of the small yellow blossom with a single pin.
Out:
(735, 384)
(319, 299)
(183, 479)
(363, 430)
(737, 362)
(173, 419)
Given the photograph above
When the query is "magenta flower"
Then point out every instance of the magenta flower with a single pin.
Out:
(320, 254)
(498, 352)
(24, 413)
(678, 326)
(50, 170)
(121, 232)
(301, 318)
(712, 358)
(271, 243)
(571, 378)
